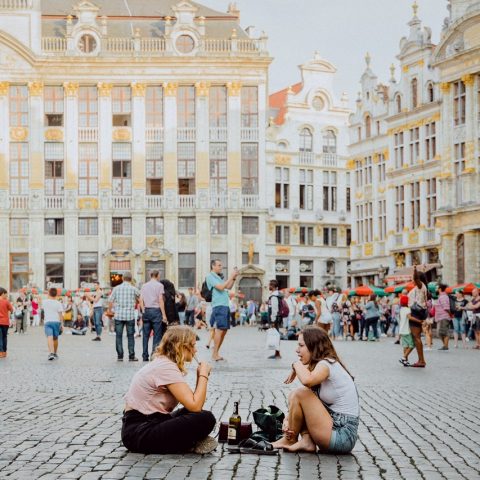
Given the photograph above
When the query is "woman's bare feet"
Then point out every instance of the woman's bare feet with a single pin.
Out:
(305, 444)
(284, 442)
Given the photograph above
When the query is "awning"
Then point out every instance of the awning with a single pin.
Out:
(405, 274)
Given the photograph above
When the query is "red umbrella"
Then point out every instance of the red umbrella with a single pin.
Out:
(469, 288)
(398, 288)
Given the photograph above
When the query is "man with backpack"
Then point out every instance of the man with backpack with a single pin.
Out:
(277, 309)
(215, 290)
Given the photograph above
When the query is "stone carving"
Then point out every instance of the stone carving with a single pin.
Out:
(234, 89)
(54, 134)
(35, 89)
(170, 89)
(138, 89)
(104, 89)
(202, 89)
(122, 134)
(18, 134)
(4, 88)
(71, 89)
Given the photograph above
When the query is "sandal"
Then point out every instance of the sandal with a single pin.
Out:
(259, 448)
(418, 365)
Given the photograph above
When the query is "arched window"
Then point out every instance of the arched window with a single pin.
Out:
(398, 102)
(368, 126)
(329, 142)
(430, 92)
(330, 267)
(306, 140)
(414, 87)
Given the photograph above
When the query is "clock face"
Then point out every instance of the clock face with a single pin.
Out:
(318, 103)
(87, 43)
(185, 43)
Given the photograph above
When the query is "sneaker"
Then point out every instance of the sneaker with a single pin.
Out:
(443, 349)
(133, 359)
(274, 357)
(51, 356)
(428, 349)
(96, 339)
(396, 342)
(120, 359)
(207, 445)
(55, 356)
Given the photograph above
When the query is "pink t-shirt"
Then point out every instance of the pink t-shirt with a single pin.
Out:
(148, 392)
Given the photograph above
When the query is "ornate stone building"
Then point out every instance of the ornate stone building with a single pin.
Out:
(415, 155)
(308, 187)
(131, 138)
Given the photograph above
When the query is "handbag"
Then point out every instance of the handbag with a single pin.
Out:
(245, 431)
(270, 422)
(418, 312)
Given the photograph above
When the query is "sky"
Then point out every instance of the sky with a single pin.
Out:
(341, 30)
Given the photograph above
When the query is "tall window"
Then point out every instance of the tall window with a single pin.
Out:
(18, 104)
(430, 92)
(18, 270)
(87, 267)
(459, 97)
(219, 225)
(382, 219)
(306, 140)
(53, 106)
(218, 167)
(414, 145)
(348, 195)
(415, 204)
(368, 126)
(19, 168)
(249, 154)
(459, 158)
(88, 226)
(121, 106)
(398, 103)
(431, 200)
(282, 235)
(306, 273)
(358, 173)
(54, 226)
(360, 223)
(87, 107)
(306, 189)
(218, 107)
(368, 221)
(329, 142)
(121, 226)
(187, 225)
(250, 225)
(54, 168)
(400, 208)
(186, 168)
(186, 106)
(19, 227)
(306, 235)
(186, 270)
(430, 141)
(381, 168)
(282, 187)
(282, 269)
(399, 150)
(414, 92)
(122, 168)
(330, 237)
(154, 225)
(54, 268)
(154, 106)
(368, 170)
(154, 168)
(88, 169)
(249, 107)
(330, 191)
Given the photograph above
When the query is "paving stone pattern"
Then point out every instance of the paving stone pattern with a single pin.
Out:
(61, 419)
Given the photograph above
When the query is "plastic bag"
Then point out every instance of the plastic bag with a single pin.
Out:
(273, 339)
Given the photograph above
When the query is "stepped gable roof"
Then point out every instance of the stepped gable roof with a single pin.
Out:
(278, 102)
(146, 16)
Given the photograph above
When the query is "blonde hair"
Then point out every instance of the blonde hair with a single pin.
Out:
(174, 343)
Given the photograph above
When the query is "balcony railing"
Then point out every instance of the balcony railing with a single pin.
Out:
(219, 200)
(186, 134)
(152, 45)
(249, 201)
(53, 202)
(20, 202)
(154, 134)
(306, 158)
(88, 134)
(122, 203)
(218, 134)
(249, 134)
(120, 45)
(53, 44)
(16, 4)
(154, 202)
(430, 235)
(186, 201)
(329, 159)
(217, 45)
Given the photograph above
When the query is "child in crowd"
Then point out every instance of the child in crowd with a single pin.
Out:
(404, 330)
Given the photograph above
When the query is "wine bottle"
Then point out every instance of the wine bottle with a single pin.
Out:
(234, 425)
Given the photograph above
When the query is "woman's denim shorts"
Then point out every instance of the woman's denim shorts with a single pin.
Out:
(344, 433)
(458, 325)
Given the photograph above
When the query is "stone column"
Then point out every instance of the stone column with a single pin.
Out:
(170, 227)
(470, 187)
(104, 242)
(262, 120)
(448, 258)
(202, 168)
(71, 267)
(170, 144)
(391, 218)
(472, 259)
(423, 204)
(234, 161)
(71, 137)
(4, 186)
(407, 195)
(105, 138)
(203, 240)
(235, 236)
(447, 188)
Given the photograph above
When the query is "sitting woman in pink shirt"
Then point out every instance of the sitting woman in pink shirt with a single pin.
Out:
(150, 424)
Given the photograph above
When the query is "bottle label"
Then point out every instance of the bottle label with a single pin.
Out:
(232, 433)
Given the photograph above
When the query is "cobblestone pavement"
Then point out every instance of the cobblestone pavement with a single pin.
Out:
(61, 419)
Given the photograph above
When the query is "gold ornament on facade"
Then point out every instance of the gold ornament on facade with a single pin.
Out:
(283, 159)
(234, 89)
(104, 89)
(295, 229)
(406, 229)
(170, 89)
(283, 250)
(88, 203)
(368, 249)
(445, 87)
(122, 135)
(351, 164)
(18, 134)
(381, 189)
(376, 158)
(413, 238)
(54, 134)
(138, 89)
(4, 88)
(202, 89)
(468, 80)
(386, 154)
(70, 89)
(399, 259)
(35, 89)
(405, 68)
(359, 195)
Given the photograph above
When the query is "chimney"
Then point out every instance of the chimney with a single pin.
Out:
(233, 10)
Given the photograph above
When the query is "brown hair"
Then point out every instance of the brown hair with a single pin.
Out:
(174, 343)
(320, 347)
(52, 292)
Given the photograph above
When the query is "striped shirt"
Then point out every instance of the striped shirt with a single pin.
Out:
(124, 297)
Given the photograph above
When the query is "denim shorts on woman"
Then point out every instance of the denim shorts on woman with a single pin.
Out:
(52, 329)
(344, 433)
(458, 325)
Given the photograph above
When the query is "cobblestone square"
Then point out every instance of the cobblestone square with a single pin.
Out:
(62, 419)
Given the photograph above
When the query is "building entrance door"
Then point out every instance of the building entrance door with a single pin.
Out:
(158, 265)
(252, 289)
